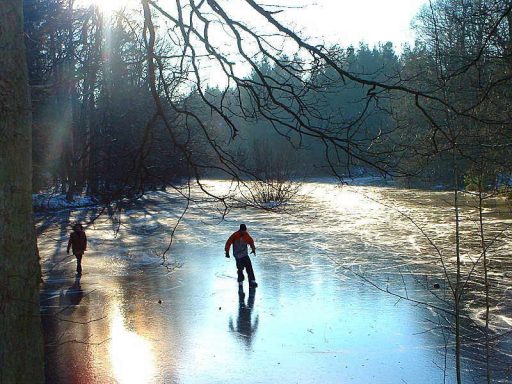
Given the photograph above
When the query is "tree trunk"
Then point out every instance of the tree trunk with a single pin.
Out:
(486, 277)
(92, 158)
(509, 39)
(457, 291)
(21, 342)
(70, 104)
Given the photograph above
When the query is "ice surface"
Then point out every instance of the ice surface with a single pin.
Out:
(311, 320)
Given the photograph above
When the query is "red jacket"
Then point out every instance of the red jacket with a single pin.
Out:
(77, 241)
(240, 240)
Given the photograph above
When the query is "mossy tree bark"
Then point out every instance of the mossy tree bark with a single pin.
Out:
(21, 342)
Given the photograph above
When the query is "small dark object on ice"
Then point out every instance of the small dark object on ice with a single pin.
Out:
(220, 308)
(436, 286)
(159, 301)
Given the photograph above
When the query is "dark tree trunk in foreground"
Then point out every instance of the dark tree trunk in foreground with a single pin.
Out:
(21, 345)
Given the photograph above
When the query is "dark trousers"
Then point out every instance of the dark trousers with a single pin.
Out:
(244, 262)
(79, 262)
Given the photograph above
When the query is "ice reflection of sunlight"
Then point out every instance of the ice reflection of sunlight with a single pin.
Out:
(131, 355)
(344, 198)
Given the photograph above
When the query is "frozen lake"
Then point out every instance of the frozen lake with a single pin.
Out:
(316, 317)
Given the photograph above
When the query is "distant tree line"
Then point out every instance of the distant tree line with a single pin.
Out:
(458, 125)
(462, 57)
(91, 103)
(95, 128)
(269, 142)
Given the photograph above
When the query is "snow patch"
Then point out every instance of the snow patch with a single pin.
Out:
(46, 201)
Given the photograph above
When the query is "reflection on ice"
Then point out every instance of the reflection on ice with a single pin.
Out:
(245, 327)
(74, 294)
(130, 353)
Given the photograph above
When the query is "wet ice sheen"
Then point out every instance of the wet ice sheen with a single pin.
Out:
(309, 321)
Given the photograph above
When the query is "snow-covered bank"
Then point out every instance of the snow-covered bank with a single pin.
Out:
(375, 181)
(51, 201)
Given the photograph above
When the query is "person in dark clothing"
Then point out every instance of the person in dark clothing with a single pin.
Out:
(78, 243)
(240, 239)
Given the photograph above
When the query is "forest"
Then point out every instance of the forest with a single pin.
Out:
(163, 95)
(449, 90)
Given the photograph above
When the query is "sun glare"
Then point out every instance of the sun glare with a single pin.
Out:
(131, 354)
(108, 7)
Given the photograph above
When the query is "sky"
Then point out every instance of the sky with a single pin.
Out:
(341, 22)
(344, 22)
(350, 21)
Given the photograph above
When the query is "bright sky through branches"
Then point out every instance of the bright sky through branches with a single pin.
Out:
(337, 21)
(329, 22)
(347, 22)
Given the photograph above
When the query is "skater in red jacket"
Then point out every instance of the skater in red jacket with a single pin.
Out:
(240, 239)
(78, 243)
